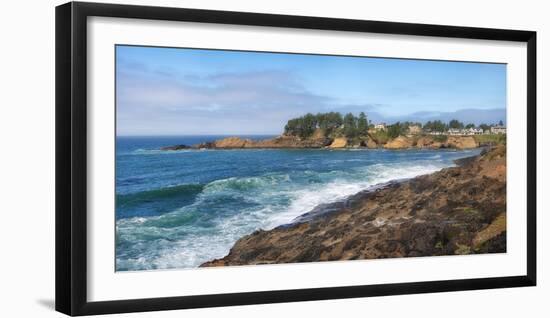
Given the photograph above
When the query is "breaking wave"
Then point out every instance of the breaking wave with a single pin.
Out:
(186, 225)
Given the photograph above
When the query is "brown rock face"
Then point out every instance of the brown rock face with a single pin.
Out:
(339, 143)
(400, 142)
(460, 210)
(232, 142)
(319, 140)
(291, 142)
(278, 142)
(428, 142)
(371, 144)
(462, 142)
(318, 134)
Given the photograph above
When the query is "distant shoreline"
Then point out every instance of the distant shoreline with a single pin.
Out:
(319, 141)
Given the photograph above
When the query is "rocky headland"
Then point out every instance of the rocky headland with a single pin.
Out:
(319, 140)
(458, 210)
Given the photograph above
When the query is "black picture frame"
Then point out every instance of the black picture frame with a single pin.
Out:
(71, 157)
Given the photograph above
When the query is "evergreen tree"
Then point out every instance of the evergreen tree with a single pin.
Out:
(435, 126)
(456, 124)
(362, 125)
(309, 125)
(350, 125)
(334, 121)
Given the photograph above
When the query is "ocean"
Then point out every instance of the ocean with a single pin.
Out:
(179, 209)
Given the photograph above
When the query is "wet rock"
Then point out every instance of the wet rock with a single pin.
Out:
(176, 147)
(462, 142)
(458, 210)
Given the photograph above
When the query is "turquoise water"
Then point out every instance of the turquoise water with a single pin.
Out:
(179, 209)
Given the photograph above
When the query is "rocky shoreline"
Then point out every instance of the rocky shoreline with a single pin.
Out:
(458, 210)
(318, 141)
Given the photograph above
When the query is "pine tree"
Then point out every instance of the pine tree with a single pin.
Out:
(350, 125)
(362, 125)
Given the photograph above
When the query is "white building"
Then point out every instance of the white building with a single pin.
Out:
(380, 126)
(498, 130)
(472, 131)
(465, 132)
(454, 132)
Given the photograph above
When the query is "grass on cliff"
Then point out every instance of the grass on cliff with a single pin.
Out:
(491, 139)
(440, 138)
(380, 136)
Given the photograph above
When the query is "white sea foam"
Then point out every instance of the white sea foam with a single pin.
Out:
(308, 198)
(157, 245)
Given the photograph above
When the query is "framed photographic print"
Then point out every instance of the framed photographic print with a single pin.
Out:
(212, 158)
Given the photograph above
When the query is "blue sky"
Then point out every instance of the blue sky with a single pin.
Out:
(172, 91)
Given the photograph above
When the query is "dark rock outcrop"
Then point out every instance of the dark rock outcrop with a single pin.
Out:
(176, 147)
(282, 141)
(459, 210)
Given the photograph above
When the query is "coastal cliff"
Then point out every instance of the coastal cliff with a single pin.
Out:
(318, 140)
(458, 210)
(334, 130)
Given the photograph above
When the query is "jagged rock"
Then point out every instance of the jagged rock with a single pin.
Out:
(285, 141)
(400, 142)
(232, 142)
(204, 145)
(458, 210)
(176, 147)
(319, 140)
(462, 142)
(371, 144)
(318, 134)
(339, 142)
(425, 142)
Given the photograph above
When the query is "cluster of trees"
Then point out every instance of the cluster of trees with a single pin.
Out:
(438, 125)
(400, 128)
(305, 126)
(355, 126)
(349, 125)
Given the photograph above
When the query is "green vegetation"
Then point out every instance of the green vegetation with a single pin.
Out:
(439, 126)
(455, 124)
(436, 125)
(362, 125)
(333, 125)
(484, 127)
(329, 121)
(440, 138)
(305, 126)
(380, 136)
(397, 129)
(350, 126)
(491, 139)
(462, 249)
